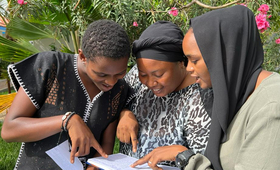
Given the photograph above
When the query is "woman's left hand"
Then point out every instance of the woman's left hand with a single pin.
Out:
(164, 153)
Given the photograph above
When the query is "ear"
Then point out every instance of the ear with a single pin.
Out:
(182, 64)
(82, 56)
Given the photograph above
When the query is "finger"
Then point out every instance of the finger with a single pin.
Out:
(118, 134)
(98, 148)
(141, 161)
(134, 141)
(153, 164)
(126, 137)
(87, 148)
(73, 152)
(83, 149)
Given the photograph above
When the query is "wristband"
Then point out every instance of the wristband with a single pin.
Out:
(62, 128)
(64, 117)
(66, 122)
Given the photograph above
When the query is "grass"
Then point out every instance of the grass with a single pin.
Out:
(6, 92)
(8, 153)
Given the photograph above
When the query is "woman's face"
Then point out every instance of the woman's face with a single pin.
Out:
(196, 65)
(161, 77)
(104, 72)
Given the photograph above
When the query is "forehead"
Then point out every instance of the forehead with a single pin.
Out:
(108, 65)
(146, 64)
(190, 46)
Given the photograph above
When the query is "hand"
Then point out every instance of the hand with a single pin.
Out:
(82, 138)
(127, 129)
(92, 167)
(164, 153)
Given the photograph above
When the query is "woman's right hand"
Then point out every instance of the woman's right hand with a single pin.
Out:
(127, 129)
(82, 138)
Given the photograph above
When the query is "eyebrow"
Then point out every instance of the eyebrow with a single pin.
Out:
(124, 71)
(151, 72)
(192, 56)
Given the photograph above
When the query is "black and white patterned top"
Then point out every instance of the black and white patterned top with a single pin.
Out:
(180, 118)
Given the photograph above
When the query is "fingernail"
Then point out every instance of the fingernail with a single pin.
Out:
(72, 161)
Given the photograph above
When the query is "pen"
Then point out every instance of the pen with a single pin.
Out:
(92, 165)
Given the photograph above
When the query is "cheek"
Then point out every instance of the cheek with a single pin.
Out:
(143, 80)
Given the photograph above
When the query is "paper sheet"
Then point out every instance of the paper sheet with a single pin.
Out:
(61, 155)
(121, 162)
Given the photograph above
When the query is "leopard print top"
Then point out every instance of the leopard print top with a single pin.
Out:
(180, 118)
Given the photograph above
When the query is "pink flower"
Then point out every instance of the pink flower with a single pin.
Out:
(263, 8)
(173, 11)
(262, 23)
(135, 24)
(243, 4)
(22, 2)
(277, 41)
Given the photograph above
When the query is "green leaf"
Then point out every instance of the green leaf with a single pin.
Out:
(11, 51)
(21, 29)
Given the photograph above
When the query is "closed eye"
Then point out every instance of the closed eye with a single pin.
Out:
(194, 61)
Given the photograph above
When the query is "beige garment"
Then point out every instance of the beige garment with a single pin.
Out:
(254, 134)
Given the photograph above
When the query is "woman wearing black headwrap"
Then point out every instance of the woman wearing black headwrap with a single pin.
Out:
(225, 53)
(168, 106)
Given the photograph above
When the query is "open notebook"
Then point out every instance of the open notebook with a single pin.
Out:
(121, 162)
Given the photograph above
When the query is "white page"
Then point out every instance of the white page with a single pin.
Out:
(122, 162)
(61, 155)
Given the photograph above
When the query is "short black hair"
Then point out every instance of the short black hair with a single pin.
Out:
(105, 38)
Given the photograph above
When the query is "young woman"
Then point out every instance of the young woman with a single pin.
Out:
(80, 94)
(225, 53)
(169, 107)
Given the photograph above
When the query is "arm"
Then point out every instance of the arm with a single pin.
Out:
(20, 126)
(127, 129)
(108, 139)
(261, 146)
(246, 141)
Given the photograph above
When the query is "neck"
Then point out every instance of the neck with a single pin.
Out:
(187, 81)
(263, 74)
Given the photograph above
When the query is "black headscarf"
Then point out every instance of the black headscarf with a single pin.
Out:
(160, 41)
(231, 47)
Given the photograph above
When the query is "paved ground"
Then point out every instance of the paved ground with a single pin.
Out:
(3, 84)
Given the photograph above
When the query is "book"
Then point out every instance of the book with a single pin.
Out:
(120, 161)
(61, 156)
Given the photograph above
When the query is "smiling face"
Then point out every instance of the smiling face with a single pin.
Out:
(104, 72)
(161, 77)
(196, 65)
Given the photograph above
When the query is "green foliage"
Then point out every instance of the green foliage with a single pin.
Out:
(13, 52)
(3, 72)
(21, 29)
(146, 12)
(8, 153)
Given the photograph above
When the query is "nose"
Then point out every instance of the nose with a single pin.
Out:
(190, 67)
(151, 82)
(111, 80)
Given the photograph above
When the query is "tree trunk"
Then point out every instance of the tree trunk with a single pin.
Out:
(9, 85)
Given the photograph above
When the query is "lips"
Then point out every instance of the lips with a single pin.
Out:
(156, 91)
(107, 87)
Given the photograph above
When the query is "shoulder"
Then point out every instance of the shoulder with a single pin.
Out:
(47, 57)
(269, 88)
(265, 97)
